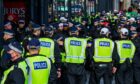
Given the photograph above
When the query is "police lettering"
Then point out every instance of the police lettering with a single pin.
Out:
(104, 43)
(126, 45)
(40, 65)
(45, 44)
(75, 43)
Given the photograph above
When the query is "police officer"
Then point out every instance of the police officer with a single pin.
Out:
(136, 60)
(21, 32)
(75, 48)
(17, 73)
(9, 36)
(59, 37)
(41, 69)
(102, 58)
(125, 51)
(49, 48)
(8, 25)
(95, 29)
(36, 32)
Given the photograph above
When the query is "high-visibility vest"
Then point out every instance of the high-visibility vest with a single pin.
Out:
(125, 49)
(23, 66)
(47, 48)
(63, 56)
(75, 50)
(91, 17)
(78, 19)
(2, 52)
(103, 49)
(40, 67)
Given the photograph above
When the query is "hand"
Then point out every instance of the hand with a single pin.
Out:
(60, 43)
(89, 45)
(58, 74)
(114, 69)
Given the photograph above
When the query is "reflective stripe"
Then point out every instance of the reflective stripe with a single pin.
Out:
(123, 57)
(103, 56)
(52, 50)
(14, 48)
(95, 47)
(96, 50)
(83, 48)
(47, 51)
(8, 33)
(119, 50)
(2, 52)
(52, 57)
(6, 74)
(30, 72)
(22, 65)
(32, 75)
(75, 57)
(133, 48)
(49, 63)
(67, 48)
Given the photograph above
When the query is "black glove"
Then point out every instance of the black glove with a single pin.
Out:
(128, 63)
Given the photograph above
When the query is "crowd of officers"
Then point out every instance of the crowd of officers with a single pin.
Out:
(72, 51)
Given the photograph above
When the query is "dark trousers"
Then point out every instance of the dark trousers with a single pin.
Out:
(76, 79)
(92, 78)
(63, 79)
(76, 73)
(136, 71)
(104, 72)
(124, 75)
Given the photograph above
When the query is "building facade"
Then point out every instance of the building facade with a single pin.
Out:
(40, 10)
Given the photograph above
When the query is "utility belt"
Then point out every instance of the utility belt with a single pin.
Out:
(103, 64)
(68, 65)
(82, 64)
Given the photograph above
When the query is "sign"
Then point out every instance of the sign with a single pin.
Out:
(40, 65)
(16, 9)
(45, 44)
(127, 46)
(75, 43)
(104, 43)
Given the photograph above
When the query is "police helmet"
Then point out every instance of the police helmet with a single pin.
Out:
(104, 31)
(124, 31)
